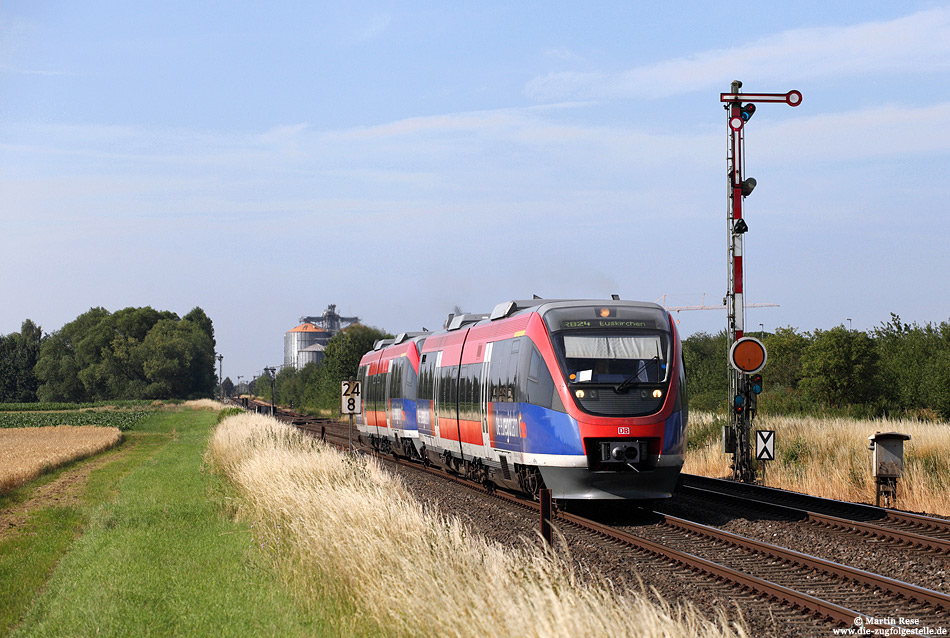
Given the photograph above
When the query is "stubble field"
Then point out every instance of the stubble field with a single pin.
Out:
(29, 452)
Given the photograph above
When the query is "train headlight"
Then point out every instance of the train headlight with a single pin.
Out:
(579, 394)
(657, 393)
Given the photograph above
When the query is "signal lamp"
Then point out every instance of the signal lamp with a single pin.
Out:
(755, 383)
(746, 111)
(738, 404)
(748, 185)
(740, 227)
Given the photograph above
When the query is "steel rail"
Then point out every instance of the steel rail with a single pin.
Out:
(913, 539)
(911, 592)
(921, 521)
(774, 591)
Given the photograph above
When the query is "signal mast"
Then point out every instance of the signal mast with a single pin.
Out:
(746, 355)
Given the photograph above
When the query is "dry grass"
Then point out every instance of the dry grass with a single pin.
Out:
(829, 457)
(341, 528)
(29, 452)
(204, 404)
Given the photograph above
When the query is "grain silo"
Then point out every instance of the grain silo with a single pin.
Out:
(301, 339)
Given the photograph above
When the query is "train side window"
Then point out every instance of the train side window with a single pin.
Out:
(515, 373)
(469, 403)
(395, 380)
(498, 371)
(426, 379)
(448, 387)
(539, 388)
(534, 368)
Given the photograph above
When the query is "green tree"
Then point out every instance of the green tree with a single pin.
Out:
(19, 353)
(914, 363)
(785, 349)
(842, 367)
(707, 371)
(341, 360)
(133, 353)
(175, 355)
(64, 354)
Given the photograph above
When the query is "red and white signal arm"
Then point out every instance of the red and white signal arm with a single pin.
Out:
(747, 355)
(350, 398)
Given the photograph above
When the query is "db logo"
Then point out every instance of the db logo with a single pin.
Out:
(623, 430)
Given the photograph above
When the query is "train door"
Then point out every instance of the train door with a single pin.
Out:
(361, 417)
(483, 402)
(436, 408)
(386, 393)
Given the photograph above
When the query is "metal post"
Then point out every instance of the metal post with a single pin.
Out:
(546, 529)
(350, 447)
(742, 467)
(273, 396)
(220, 375)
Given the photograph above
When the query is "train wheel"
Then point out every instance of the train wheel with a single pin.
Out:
(530, 481)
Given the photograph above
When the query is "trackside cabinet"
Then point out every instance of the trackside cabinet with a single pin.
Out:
(887, 464)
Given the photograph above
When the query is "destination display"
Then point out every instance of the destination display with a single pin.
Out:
(580, 324)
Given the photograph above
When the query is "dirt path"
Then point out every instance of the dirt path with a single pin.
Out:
(64, 490)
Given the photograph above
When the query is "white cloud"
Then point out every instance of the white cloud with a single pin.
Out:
(869, 134)
(560, 53)
(915, 44)
(373, 28)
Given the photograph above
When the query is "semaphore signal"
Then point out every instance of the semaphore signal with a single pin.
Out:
(740, 107)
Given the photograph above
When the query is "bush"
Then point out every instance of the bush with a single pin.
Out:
(228, 412)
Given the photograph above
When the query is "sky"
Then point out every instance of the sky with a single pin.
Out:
(265, 160)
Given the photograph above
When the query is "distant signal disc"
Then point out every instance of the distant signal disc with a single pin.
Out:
(748, 355)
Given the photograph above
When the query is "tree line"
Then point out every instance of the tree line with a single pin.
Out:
(134, 353)
(316, 387)
(895, 369)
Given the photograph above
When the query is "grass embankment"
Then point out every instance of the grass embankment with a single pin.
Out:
(29, 452)
(829, 457)
(341, 527)
(143, 550)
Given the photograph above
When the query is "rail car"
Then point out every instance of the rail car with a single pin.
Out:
(586, 398)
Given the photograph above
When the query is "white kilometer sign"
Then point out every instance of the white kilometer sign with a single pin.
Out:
(350, 398)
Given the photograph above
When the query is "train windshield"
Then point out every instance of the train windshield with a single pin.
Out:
(627, 359)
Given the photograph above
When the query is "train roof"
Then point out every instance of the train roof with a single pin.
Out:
(542, 306)
(508, 309)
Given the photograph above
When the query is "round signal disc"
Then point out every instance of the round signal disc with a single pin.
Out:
(748, 355)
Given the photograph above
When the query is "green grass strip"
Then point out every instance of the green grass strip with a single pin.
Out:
(28, 558)
(157, 557)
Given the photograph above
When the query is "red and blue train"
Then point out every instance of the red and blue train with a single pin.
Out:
(586, 398)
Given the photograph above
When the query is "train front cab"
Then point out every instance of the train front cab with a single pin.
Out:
(620, 378)
(389, 379)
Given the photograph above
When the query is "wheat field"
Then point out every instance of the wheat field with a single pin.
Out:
(27, 453)
(340, 527)
(829, 457)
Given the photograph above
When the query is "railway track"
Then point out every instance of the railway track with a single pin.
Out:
(807, 585)
(912, 530)
(817, 587)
